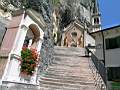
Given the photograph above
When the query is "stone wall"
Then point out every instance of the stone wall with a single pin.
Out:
(47, 45)
(47, 49)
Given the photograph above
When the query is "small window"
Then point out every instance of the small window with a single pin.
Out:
(26, 41)
(96, 20)
(107, 44)
(118, 41)
(113, 43)
(113, 73)
(94, 10)
(74, 34)
(73, 45)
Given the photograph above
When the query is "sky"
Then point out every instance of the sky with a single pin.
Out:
(110, 12)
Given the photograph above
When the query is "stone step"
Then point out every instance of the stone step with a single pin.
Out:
(69, 81)
(63, 67)
(64, 85)
(67, 54)
(69, 71)
(57, 48)
(61, 51)
(47, 87)
(54, 87)
(63, 64)
(71, 60)
(62, 70)
(72, 78)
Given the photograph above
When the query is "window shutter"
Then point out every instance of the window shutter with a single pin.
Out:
(107, 44)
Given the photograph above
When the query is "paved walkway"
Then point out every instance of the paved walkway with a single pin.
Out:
(70, 71)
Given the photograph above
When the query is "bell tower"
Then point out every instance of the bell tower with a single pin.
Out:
(95, 16)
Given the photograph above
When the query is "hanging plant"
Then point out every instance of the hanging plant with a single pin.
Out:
(29, 60)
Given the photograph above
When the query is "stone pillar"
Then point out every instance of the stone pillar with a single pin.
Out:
(63, 38)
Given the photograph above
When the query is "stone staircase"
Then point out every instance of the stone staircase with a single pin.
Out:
(69, 71)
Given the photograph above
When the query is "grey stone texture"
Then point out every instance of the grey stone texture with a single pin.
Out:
(2, 31)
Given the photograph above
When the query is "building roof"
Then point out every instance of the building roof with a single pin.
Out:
(10, 35)
(106, 29)
(37, 17)
(72, 24)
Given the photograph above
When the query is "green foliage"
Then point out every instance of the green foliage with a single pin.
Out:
(55, 2)
(115, 85)
(29, 60)
(25, 53)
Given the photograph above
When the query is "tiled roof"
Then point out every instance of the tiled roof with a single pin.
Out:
(10, 35)
(106, 29)
(15, 22)
(37, 17)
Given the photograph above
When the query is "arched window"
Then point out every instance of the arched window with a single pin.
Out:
(96, 20)
(35, 31)
(74, 34)
(73, 45)
(26, 41)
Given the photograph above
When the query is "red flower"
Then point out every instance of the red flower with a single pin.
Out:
(29, 61)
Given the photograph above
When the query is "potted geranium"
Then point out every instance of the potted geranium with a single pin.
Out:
(29, 61)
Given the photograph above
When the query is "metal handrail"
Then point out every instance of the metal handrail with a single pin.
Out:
(98, 69)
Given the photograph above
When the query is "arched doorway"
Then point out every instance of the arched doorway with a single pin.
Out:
(32, 36)
(27, 36)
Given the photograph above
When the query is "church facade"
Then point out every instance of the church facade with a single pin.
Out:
(73, 35)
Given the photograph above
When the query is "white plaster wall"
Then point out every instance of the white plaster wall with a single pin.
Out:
(96, 29)
(112, 56)
(12, 73)
(88, 39)
(19, 40)
(99, 47)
